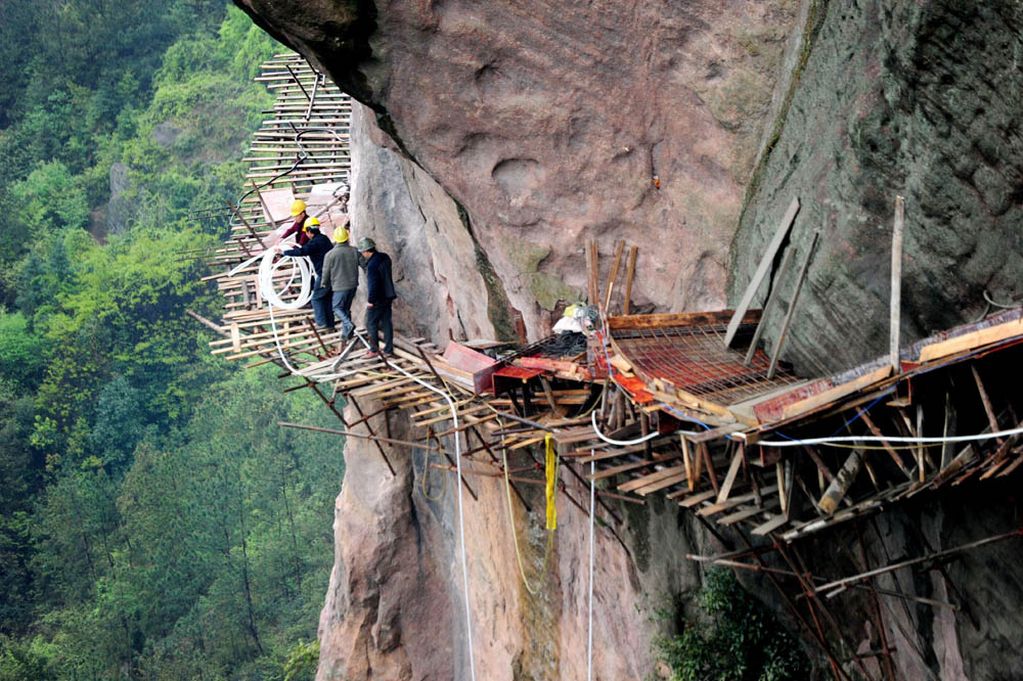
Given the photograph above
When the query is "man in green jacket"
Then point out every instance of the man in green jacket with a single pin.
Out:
(341, 274)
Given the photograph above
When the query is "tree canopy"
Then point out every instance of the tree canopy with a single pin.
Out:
(155, 522)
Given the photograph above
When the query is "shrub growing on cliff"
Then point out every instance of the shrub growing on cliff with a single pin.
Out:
(737, 640)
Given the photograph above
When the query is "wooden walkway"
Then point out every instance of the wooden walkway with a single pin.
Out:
(670, 374)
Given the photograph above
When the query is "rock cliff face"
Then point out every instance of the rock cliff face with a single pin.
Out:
(553, 123)
(497, 137)
(395, 608)
(895, 98)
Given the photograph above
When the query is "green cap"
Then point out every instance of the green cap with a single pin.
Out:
(366, 244)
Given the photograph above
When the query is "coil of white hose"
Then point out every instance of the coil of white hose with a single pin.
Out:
(269, 268)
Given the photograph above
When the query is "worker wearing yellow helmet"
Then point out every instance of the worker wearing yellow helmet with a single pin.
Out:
(298, 211)
(341, 274)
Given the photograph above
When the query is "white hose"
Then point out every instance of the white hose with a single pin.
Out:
(589, 618)
(625, 443)
(269, 268)
(461, 513)
(882, 439)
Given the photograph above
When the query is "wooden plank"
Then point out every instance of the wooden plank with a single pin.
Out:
(704, 452)
(986, 401)
(687, 461)
(733, 470)
(835, 393)
(772, 298)
(718, 507)
(770, 526)
(650, 478)
(762, 268)
(714, 433)
(783, 333)
(884, 443)
(972, 340)
(840, 485)
(663, 320)
(615, 470)
(895, 312)
(592, 273)
(694, 499)
(746, 513)
(615, 265)
(630, 273)
(661, 484)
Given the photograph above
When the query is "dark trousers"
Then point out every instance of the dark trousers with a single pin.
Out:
(341, 302)
(378, 318)
(321, 306)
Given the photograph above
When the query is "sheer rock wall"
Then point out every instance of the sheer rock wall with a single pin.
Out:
(395, 608)
(498, 137)
(553, 123)
(912, 98)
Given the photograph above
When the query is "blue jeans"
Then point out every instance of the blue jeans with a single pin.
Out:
(321, 306)
(342, 306)
(378, 318)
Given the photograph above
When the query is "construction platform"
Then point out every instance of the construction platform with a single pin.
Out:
(686, 406)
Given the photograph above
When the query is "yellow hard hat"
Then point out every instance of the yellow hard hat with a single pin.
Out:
(570, 311)
(310, 222)
(340, 235)
(297, 207)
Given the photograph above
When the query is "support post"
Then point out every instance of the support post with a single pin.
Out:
(896, 289)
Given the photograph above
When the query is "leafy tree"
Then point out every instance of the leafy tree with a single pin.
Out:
(22, 353)
(49, 198)
(736, 639)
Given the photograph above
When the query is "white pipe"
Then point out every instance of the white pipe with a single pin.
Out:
(882, 439)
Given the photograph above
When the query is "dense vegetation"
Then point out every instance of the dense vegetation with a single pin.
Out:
(155, 523)
(733, 637)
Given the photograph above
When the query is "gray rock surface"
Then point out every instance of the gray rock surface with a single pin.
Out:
(916, 99)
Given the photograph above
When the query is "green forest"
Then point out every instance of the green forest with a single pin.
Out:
(155, 522)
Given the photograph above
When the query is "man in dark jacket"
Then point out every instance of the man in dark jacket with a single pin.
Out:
(341, 274)
(316, 249)
(379, 296)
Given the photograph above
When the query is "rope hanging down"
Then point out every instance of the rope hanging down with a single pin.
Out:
(461, 512)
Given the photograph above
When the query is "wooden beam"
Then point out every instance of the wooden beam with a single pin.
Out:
(776, 353)
(762, 268)
(974, 339)
(630, 273)
(840, 485)
(896, 284)
(772, 297)
(733, 470)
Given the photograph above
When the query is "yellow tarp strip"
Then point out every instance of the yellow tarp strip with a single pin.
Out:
(551, 466)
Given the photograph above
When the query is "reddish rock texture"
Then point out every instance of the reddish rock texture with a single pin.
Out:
(395, 607)
(520, 129)
(549, 122)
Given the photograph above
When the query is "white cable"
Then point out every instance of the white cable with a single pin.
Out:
(300, 267)
(625, 443)
(882, 439)
(589, 620)
(461, 513)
